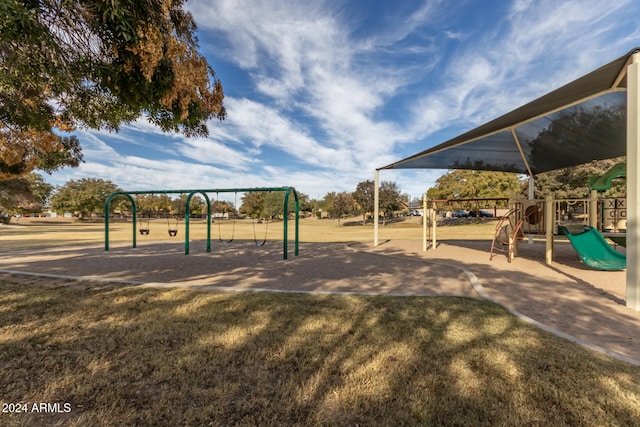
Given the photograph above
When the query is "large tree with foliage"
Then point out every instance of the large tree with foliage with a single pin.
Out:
(364, 197)
(27, 193)
(253, 204)
(96, 64)
(86, 195)
(342, 205)
(389, 198)
(574, 182)
(470, 184)
(274, 203)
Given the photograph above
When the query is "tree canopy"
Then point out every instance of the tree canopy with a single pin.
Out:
(364, 197)
(28, 193)
(471, 184)
(389, 198)
(86, 195)
(574, 182)
(96, 64)
(342, 204)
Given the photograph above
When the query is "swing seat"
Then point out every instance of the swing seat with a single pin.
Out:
(144, 231)
(173, 233)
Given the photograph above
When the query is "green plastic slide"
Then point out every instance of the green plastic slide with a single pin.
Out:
(602, 183)
(594, 250)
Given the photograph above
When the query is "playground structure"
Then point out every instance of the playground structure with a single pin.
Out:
(507, 235)
(543, 135)
(585, 222)
(190, 193)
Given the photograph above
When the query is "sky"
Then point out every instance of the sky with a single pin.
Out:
(320, 94)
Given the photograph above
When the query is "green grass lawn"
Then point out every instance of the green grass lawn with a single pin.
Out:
(143, 356)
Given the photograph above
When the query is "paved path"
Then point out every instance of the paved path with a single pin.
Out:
(566, 297)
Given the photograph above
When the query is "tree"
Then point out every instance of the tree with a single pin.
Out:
(148, 203)
(253, 204)
(327, 202)
(222, 206)
(274, 203)
(39, 188)
(364, 196)
(574, 182)
(389, 198)
(85, 195)
(28, 193)
(96, 64)
(305, 204)
(342, 205)
(471, 184)
(177, 206)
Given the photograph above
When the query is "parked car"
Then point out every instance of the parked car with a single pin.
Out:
(459, 214)
(414, 212)
(481, 214)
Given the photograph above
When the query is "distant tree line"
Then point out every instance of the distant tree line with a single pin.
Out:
(29, 193)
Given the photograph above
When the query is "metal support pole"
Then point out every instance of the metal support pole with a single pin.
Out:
(593, 209)
(425, 221)
(297, 222)
(633, 182)
(434, 225)
(549, 214)
(376, 202)
(532, 193)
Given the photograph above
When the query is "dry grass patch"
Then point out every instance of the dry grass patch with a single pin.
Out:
(50, 233)
(142, 356)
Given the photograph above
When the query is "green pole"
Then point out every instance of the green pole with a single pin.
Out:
(135, 219)
(186, 226)
(286, 222)
(295, 194)
(285, 236)
(106, 224)
(208, 221)
(107, 205)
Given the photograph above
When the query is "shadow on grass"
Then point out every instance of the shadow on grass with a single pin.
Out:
(136, 356)
(567, 296)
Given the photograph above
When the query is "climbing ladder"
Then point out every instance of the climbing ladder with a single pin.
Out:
(507, 235)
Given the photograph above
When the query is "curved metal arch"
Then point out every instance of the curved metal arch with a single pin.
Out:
(187, 215)
(107, 205)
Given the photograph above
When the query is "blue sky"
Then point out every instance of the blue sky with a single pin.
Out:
(321, 93)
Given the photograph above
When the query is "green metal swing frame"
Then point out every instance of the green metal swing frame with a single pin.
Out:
(203, 192)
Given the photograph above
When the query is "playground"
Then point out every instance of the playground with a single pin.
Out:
(346, 330)
(222, 332)
(567, 296)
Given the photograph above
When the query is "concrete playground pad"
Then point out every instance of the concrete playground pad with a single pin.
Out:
(567, 296)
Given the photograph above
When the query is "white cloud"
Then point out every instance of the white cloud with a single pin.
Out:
(262, 125)
(546, 44)
(208, 151)
(326, 101)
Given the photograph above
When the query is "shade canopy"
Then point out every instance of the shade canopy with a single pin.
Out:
(594, 117)
(582, 121)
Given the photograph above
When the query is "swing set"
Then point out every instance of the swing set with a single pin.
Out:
(221, 215)
(143, 221)
(144, 228)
